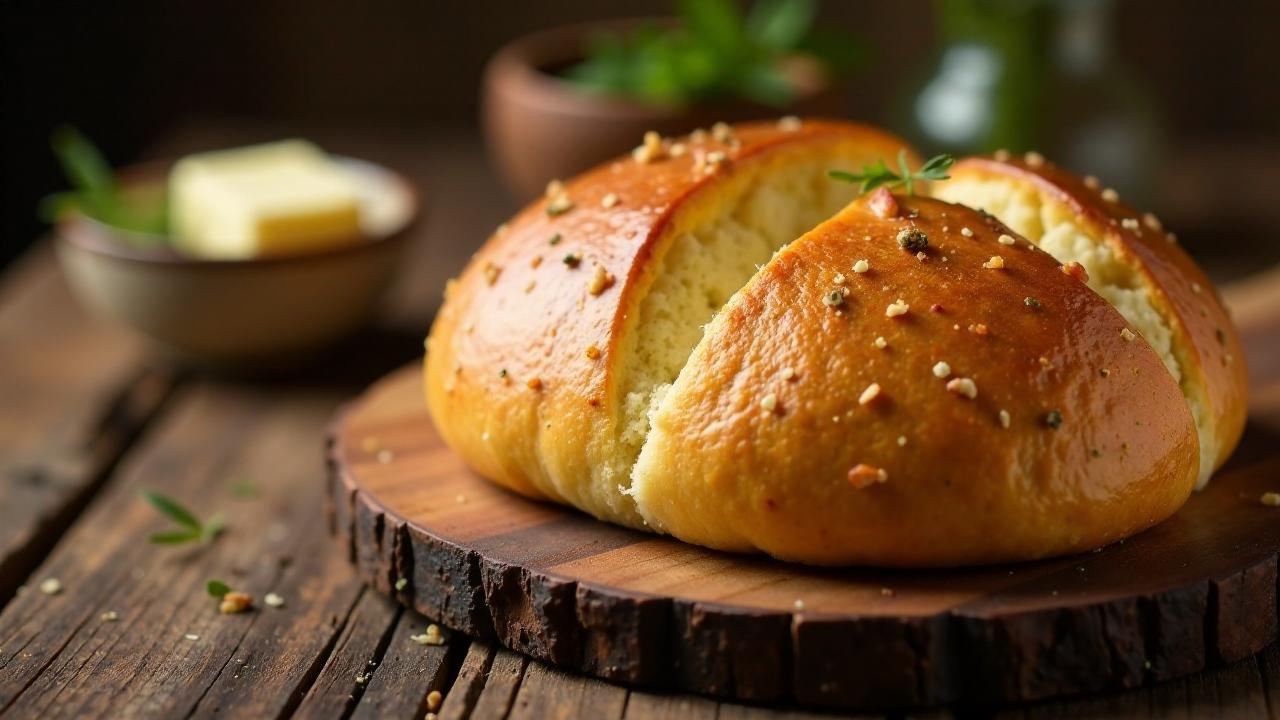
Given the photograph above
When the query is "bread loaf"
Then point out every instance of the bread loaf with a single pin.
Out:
(707, 339)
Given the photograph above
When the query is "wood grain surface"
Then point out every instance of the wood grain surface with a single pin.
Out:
(90, 416)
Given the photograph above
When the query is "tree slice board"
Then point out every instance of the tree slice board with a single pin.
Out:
(549, 582)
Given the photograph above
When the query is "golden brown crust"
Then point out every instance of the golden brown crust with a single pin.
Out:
(802, 480)
(522, 359)
(1182, 292)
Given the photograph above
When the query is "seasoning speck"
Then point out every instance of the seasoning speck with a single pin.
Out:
(1270, 499)
(995, 263)
(559, 205)
(861, 266)
(601, 280)
(572, 260)
(1034, 159)
(1003, 417)
(941, 369)
(593, 352)
(1110, 195)
(402, 583)
(555, 239)
(966, 232)
(491, 273)
(913, 240)
(769, 402)
(863, 476)
(963, 386)
(881, 343)
(870, 394)
(788, 373)
(609, 200)
(1127, 335)
(235, 602)
(1130, 224)
(897, 308)
(1053, 419)
(650, 150)
(109, 616)
(1153, 222)
(789, 123)
(1005, 239)
(1031, 302)
(833, 299)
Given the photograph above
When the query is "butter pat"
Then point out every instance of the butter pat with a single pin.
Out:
(279, 198)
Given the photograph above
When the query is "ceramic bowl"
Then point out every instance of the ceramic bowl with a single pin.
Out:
(243, 313)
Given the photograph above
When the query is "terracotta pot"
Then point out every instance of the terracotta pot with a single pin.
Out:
(539, 126)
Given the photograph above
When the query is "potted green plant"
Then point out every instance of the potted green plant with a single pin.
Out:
(561, 100)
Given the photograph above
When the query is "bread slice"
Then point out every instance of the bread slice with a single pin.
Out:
(1134, 264)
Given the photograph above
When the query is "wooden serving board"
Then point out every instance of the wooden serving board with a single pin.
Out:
(1197, 590)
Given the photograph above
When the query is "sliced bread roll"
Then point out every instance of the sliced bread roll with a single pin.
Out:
(1137, 265)
(707, 339)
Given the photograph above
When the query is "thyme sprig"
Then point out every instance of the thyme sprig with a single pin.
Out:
(879, 174)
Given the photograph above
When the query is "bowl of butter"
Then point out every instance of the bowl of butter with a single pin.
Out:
(248, 257)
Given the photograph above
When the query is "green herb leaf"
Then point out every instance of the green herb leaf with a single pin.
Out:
(213, 528)
(171, 509)
(874, 176)
(780, 24)
(193, 529)
(217, 588)
(715, 53)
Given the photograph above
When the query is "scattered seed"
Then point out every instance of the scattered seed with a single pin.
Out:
(273, 600)
(402, 583)
(609, 200)
(995, 263)
(863, 476)
(861, 266)
(1005, 239)
(966, 232)
(870, 394)
(1004, 418)
(1034, 159)
(963, 386)
(1127, 335)
(51, 586)
(235, 602)
(109, 616)
(1110, 195)
(897, 308)
(789, 123)
(769, 402)
(1271, 499)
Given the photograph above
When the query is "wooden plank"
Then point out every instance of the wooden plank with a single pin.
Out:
(462, 696)
(350, 667)
(652, 706)
(548, 693)
(408, 672)
(502, 682)
(75, 392)
(56, 652)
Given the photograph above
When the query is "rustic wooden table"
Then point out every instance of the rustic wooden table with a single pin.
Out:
(90, 418)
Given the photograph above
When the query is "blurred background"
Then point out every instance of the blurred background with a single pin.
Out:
(1175, 104)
